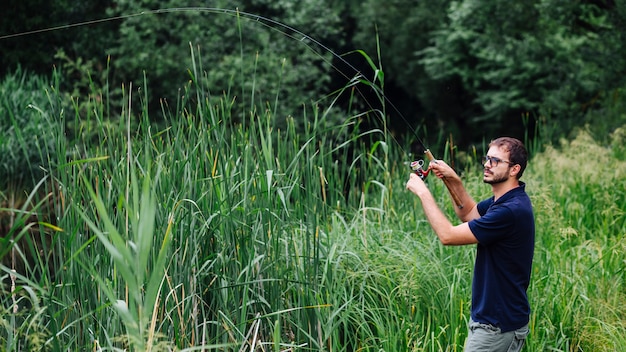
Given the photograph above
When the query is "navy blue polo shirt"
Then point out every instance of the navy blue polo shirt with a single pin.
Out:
(506, 241)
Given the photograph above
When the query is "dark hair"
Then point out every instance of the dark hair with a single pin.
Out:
(517, 151)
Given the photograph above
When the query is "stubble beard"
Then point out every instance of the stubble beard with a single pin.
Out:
(496, 179)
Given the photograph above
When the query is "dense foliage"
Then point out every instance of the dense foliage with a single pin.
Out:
(471, 68)
(206, 178)
(26, 144)
(196, 235)
(482, 65)
(231, 45)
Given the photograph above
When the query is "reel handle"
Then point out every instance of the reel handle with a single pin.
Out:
(417, 166)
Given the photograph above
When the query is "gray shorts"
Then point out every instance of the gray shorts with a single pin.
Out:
(488, 338)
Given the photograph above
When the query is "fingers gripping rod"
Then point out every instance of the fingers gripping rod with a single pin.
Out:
(455, 196)
(417, 166)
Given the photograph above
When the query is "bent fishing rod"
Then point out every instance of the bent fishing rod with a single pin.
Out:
(295, 34)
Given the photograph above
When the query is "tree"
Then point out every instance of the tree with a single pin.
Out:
(477, 68)
(254, 54)
(51, 28)
(405, 28)
(546, 57)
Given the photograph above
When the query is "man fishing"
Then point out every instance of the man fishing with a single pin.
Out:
(503, 229)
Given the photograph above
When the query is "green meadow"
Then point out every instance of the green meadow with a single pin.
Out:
(211, 230)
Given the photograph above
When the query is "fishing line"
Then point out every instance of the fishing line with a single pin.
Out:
(72, 25)
(288, 31)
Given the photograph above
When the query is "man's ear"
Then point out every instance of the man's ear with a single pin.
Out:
(515, 169)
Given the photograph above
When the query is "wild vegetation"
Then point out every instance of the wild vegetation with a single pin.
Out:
(203, 234)
(224, 198)
(468, 68)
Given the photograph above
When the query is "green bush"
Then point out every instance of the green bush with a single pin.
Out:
(27, 145)
(231, 47)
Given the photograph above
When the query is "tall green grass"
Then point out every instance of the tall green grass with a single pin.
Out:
(578, 286)
(206, 232)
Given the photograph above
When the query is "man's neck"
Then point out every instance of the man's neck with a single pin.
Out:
(500, 189)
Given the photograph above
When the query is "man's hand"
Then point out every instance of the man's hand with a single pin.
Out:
(441, 169)
(416, 185)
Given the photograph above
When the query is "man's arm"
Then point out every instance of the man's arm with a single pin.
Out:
(447, 233)
(469, 210)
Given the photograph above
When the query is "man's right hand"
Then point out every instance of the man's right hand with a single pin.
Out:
(441, 169)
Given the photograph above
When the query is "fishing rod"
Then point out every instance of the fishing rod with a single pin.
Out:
(418, 167)
(290, 32)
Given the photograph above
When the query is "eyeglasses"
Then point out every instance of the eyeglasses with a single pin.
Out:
(493, 161)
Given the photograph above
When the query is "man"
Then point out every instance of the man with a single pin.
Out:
(503, 229)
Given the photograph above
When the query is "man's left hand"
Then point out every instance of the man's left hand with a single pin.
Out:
(416, 185)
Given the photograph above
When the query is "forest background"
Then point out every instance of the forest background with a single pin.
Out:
(473, 69)
(192, 175)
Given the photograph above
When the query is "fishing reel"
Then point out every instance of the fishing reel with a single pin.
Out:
(418, 167)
